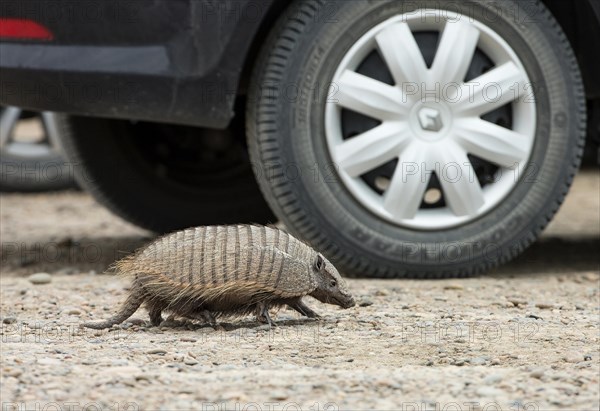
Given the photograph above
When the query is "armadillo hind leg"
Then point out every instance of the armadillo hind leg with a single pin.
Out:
(132, 303)
(303, 309)
(155, 316)
(262, 314)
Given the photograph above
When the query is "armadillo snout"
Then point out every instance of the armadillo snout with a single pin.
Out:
(347, 301)
(342, 299)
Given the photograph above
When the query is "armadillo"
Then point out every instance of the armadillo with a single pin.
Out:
(211, 271)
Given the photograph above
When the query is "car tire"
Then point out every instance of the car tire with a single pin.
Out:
(158, 177)
(33, 167)
(309, 64)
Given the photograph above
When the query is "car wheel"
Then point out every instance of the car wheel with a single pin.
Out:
(405, 139)
(30, 152)
(165, 177)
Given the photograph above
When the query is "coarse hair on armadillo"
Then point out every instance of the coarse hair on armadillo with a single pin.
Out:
(223, 270)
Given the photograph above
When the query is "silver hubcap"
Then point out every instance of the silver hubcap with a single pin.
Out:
(9, 119)
(431, 120)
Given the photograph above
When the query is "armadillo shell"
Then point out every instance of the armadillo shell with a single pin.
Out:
(223, 266)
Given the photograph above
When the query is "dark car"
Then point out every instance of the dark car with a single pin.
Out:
(418, 138)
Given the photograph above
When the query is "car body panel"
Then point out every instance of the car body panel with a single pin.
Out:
(175, 61)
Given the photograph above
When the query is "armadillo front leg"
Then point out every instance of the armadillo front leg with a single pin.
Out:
(262, 314)
(302, 308)
(209, 318)
(203, 315)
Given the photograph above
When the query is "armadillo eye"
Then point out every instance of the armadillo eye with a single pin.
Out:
(333, 283)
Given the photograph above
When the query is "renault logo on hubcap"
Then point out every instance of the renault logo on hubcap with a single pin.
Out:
(430, 119)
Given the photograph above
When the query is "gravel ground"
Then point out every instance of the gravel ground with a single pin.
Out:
(525, 337)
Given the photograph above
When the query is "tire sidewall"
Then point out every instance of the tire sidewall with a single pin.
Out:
(108, 167)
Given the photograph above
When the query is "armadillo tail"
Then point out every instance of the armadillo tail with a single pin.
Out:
(130, 306)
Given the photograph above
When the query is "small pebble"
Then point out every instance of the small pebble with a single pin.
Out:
(544, 306)
(517, 301)
(537, 373)
(143, 377)
(279, 396)
(14, 373)
(454, 286)
(9, 320)
(74, 311)
(158, 351)
(489, 392)
(40, 278)
(573, 357)
(505, 304)
(235, 395)
(477, 361)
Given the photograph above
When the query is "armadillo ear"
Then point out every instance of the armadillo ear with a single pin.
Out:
(320, 263)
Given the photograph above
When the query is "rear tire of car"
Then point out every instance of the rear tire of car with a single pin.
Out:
(149, 175)
(287, 132)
